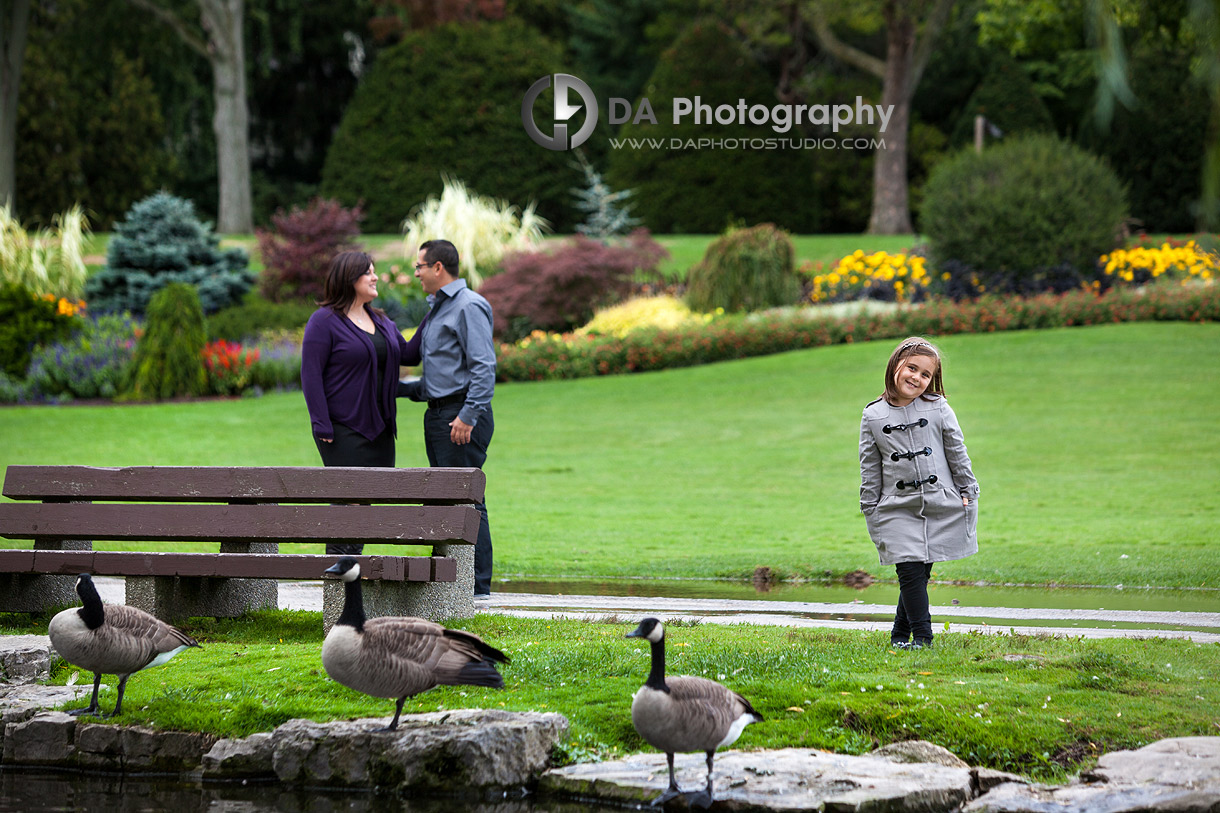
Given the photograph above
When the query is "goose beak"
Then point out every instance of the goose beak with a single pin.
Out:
(635, 633)
(332, 572)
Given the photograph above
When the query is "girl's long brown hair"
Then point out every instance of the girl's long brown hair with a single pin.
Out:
(914, 346)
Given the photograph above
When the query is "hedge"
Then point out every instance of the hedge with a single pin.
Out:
(553, 356)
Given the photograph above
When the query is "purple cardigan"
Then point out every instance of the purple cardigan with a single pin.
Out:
(338, 375)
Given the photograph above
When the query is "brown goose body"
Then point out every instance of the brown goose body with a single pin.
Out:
(685, 713)
(112, 639)
(401, 656)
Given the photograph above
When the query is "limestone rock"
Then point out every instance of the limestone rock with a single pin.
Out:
(787, 779)
(451, 751)
(24, 658)
(45, 739)
(1014, 798)
(985, 779)
(919, 751)
(1184, 761)
(135, 748)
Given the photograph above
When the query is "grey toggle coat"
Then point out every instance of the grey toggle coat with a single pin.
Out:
(914, 471)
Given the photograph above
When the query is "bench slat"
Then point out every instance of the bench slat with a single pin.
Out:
(391, 524)
(285, 484)
(230, 565)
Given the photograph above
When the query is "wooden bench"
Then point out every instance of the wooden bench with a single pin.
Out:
(249, 512)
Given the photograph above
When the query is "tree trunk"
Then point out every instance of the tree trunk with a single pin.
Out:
(891, 208)
(14, 20)
(222, 20)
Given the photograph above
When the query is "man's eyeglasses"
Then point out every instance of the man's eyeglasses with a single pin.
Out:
(424, 265)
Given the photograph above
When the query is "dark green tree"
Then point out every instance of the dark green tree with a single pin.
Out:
(745, 270)
(168, 361)
(89, 130)
(685, 189)
(447, 101)
(1006, 98)
(162, 242)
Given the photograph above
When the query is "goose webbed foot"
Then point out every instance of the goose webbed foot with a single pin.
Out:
(82, 712)
(671, 793)
(393, 726)
(92, 708)
(700, 799)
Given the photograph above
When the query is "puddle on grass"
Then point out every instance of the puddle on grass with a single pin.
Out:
(22, 792)
(1061, 598)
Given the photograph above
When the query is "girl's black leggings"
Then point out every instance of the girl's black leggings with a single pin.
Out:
(913, 617)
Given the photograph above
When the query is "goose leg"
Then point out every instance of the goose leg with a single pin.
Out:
(393, 726)
(118, 706)
(97, 682)
(672, 792)
(703, 799)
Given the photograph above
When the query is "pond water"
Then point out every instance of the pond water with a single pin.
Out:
(1064, 598)
(22, 792)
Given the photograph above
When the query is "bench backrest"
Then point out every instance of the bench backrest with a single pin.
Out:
(426, 506)
(238, 484)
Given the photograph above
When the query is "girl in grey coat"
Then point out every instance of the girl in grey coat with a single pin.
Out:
(917, 490)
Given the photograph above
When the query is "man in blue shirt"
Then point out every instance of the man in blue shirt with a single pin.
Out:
(459, 379)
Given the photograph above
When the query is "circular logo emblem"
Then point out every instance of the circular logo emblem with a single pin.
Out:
(564, 109)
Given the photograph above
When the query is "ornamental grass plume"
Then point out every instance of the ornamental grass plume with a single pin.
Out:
(483, 229)
(47, 261)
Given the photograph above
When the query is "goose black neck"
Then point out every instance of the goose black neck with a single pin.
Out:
(656, 676)
(353, 605)
(93, 613)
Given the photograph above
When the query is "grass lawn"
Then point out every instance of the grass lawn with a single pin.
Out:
(1038, 706)
(1096, 449)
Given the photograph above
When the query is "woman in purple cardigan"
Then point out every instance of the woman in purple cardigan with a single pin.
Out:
(349, 371)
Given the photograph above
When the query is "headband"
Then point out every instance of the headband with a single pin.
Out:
(909, 345)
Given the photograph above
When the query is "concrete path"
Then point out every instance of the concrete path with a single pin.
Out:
(1201, 627)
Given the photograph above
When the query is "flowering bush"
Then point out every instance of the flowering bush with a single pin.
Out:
(228, 365)
(1174, 259)
(93, 364)
(278, 364)
(880, 275)
(550, 356)
(664, 312)
(28, 321)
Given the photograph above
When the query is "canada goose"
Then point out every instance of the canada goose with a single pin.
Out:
(400, 656)
(685, 713)
(112, 639)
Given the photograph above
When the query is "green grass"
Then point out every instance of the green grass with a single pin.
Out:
(687, 249)
(1097, 450)
(1037, 706)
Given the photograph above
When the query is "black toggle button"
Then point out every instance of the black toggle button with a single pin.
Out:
(901, 427)
(927, 450)
(930, 479)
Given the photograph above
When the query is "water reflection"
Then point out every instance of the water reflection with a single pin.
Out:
(767, 589)
(43, 793)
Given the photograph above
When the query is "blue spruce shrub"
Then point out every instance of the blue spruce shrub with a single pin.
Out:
(160, 242)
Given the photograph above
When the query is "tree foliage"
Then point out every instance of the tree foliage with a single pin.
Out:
(745, 270)
(298, 249)
(447, 102)
(687, 189)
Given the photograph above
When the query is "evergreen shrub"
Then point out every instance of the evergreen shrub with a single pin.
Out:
(168, 359)
(689, 190)
(1023, 206)
(162, 242)
(255, 315)
(561, 287)
(92, 364)
(446, 101)
(745, 270)
(298, 249)
(28, 321)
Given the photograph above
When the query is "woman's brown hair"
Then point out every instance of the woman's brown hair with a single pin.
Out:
(340, 288)
(913, 346)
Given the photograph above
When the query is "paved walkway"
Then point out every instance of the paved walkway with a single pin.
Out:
(1201, 627)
